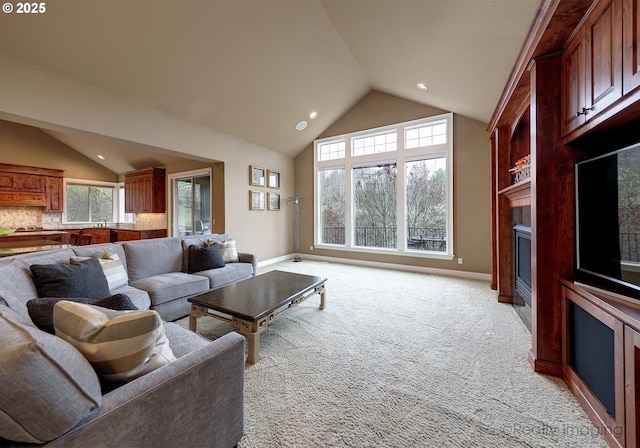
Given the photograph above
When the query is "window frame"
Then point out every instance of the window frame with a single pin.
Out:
(115, 213)
(400, 157)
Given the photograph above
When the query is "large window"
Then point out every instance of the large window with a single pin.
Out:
(387, 190)
(90, 203)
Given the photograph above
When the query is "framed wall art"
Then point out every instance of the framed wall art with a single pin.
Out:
(274, 201)
(256, 176)
(256, 200)
(273, 179)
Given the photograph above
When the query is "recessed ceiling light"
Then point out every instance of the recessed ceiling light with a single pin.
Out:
(313, 115)
(421, 86)
(301, 125)
(100, 156)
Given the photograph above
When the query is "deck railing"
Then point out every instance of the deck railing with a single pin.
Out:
(419, 238)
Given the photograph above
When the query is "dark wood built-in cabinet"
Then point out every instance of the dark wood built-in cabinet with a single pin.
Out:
(573, 92)
(631, 47)
(594, 359)
(144, 191)
(592, 65)
(31, 186)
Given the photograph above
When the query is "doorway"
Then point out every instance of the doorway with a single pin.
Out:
(192, 203)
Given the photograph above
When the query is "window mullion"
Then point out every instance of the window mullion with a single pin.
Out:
(348, 195)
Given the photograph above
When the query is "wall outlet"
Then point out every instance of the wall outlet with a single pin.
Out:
(311, 247)
(459, 260)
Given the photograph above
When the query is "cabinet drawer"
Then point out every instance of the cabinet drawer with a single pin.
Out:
(18, 198)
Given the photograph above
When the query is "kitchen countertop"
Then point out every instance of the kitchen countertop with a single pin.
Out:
(8, 248)
(36, 233)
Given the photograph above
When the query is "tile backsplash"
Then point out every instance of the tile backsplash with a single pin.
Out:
(13, 217)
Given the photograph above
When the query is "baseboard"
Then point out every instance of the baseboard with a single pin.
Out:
(375, 264)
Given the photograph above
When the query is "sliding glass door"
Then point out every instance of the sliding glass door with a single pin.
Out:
(192, 205)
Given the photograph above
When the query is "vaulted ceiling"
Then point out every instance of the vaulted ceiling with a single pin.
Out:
(255, 68)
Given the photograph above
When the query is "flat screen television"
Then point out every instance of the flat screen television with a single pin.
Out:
(608, 221)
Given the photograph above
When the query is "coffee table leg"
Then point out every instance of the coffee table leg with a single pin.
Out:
(320, 290)
(252, 331)
(195, 313)
(253, 348)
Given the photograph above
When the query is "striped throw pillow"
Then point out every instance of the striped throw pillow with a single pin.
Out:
(112, 267)
(120, 345)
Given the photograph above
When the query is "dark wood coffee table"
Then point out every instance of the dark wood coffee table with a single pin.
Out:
(251, 305)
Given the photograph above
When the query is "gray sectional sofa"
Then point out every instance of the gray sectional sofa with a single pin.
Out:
(48, 391)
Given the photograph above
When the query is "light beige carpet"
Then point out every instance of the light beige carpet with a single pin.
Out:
(400, 359)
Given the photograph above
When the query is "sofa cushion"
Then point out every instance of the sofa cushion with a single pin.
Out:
(47, 385)
(120, 345)
(41, 309)
(84, 279)
(171, 286)
(231, 272)
(202, 258)
(112, 268)
(146, 258)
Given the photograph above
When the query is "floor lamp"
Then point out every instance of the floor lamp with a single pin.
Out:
(296, 226)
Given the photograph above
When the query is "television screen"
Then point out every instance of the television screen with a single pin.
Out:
(608, 221)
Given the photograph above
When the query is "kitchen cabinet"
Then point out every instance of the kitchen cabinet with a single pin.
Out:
(145, 191)
(19, 198)
(31, 186)
(99, 235)
(129, 235)
(53, 194)
(592, 65)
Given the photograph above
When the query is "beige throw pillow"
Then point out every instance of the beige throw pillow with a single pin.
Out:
(229, 252)
(120, 345)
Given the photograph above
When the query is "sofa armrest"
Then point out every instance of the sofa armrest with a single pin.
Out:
(197, 400)
(249, 258)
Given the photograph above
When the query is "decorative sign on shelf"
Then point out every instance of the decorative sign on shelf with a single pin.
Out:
(522, 170)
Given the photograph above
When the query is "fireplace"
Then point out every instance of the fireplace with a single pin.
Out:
(522, 272)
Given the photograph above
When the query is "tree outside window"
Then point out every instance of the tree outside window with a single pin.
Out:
(87, 203)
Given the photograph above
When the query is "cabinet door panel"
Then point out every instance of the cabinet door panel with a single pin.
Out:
(7, 181)
(129, 196)
(573, 100)
(631, 49)
(53, 192)
(604, 56)
(30, 182)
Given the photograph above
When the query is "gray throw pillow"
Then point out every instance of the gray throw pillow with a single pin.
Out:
(84, 279)
(41, 309)
(205, 258)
